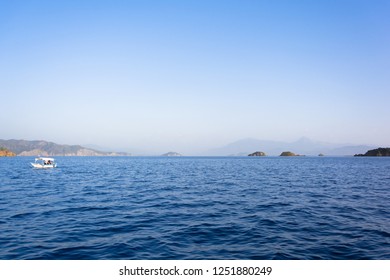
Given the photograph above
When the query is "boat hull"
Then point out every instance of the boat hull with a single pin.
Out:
(38, 165)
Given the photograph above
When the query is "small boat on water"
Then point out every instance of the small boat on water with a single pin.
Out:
(44, 162)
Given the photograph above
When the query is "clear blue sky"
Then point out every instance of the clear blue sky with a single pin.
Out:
(188, 75)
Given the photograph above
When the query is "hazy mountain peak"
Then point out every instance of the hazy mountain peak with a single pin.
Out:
(45, 148)
(303, 146)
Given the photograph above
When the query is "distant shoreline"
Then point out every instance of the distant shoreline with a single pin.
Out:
(45, 148)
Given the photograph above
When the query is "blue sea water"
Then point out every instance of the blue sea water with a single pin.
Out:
(196, 208)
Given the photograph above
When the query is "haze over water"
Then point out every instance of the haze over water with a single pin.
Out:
(148, 77)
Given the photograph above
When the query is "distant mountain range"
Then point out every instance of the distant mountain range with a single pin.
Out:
(303, 146)
(244, 147)
(44, 148)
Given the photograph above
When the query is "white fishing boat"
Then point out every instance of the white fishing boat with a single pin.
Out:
(44, 162)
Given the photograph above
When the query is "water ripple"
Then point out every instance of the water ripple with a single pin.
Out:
(196, 208)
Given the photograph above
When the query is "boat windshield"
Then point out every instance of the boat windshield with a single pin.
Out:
(46, 161)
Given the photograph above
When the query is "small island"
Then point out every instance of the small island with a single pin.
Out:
(288, 154)
(257, 154)
(380, 152)
(6, 153)
(171, 154)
